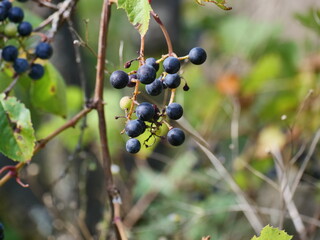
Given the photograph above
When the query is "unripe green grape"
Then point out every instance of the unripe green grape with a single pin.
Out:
(125, 102)
(11, 29)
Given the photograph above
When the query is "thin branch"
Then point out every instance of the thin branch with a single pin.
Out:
(11, 86)
(165, 32)
(235, 128)
(47, 4)
(288, 196)
(113, 193)
(63, 12)
(248, 208)
(306, 161)
(78, 58)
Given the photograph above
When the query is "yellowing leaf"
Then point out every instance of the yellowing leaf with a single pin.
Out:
(138, 12)
(17, 139)
(271, 233)
(49, 93)
(219, 3)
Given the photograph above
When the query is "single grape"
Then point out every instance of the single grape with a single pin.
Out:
(20, 65)
(171, 65)
(7, 4)
(125, 102)
(3, 12)
(36, 71)
(119, 79)
(146, 74)
(24, 29)
(197, 55)
(175, 136)
(154, 88)
(44, 50)
(10, 29)
(10, 53)
(145, 111)
(174, 111)
(172, 80)
(131, 83)
(15, 14)
(134, 128)
(133, 145)
(153, 63)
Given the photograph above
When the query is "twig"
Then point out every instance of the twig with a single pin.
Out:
(47, 4)
(165, 32)
(63, 12)
(306, 161)
(78, 58)
(113, 193)
(288, 196)
(11, 86)
(248, 209)
(235, 128)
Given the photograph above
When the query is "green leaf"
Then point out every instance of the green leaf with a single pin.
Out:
(268, 233)
(16, 131)
(138, 12)
(220, 3)
(49, 93)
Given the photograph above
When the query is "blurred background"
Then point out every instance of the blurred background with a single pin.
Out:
(252, 112)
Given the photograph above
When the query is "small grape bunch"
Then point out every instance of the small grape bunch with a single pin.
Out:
(13, 34)
(145, 116)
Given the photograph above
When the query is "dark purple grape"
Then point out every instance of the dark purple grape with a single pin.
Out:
(153, 63)
(134, 128)
(133, 145)
(197, 55)
(145, 111)
(36, 71)
(174, 111)
(146, 74)
(15, 14)
(119, 79)
(7, 4)
(171, 65)
(3, 12)
(20, 65)
(154, 88)
(172, 80)
(44, 50)
(175, 136)
(10, 53)
(24, 29)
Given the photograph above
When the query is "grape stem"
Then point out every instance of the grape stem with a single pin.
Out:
(183, 58)
(136, 88)
(173, 94)
(164, 31)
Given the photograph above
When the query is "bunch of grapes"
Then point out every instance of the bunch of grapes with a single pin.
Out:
(148, 116)
(13, 35)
